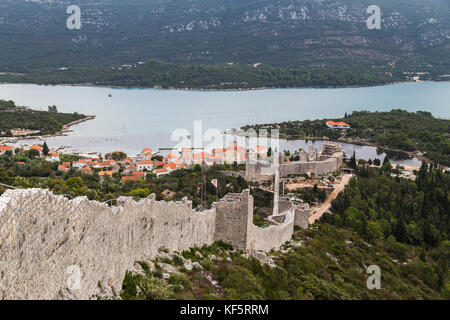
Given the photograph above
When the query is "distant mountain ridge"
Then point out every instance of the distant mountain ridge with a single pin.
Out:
(414, 33)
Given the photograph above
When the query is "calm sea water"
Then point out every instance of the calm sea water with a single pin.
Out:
(135, 118)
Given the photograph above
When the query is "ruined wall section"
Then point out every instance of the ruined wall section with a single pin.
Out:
(46, 240)
(274, 236)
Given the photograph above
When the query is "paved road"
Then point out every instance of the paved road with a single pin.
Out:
(327, 204)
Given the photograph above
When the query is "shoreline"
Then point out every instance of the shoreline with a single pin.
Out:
(61, 133)
(156, 87)
(217, 90)
(412, 154)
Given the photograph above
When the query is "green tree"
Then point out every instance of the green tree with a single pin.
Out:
(45, 149)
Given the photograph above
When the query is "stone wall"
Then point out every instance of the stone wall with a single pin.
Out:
(301, 217)
(45, 239)
(234, 219)
(257, 171)
(316, 167)
(274, 236)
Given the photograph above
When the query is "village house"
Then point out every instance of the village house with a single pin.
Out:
(130, 178)
(147, 153)
(80, 164)
(140, 174)
(86, 170)
(38, 148)
(172, 157)
(52, 157)
(160, 172)
(63, 168)
(144, 165)
(104, 174)
(4, 149)
(186, 155)
(104, 164)
(338, 125)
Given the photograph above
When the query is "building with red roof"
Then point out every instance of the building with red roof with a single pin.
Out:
(131, 178)
(338, 125)
(4, 149)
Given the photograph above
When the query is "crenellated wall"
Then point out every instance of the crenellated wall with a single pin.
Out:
(45, 239)
(48, 241)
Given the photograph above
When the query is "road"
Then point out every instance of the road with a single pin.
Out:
(327, 204)
(295, 186)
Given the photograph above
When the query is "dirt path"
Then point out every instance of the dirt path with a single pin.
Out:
(327, 204)
(294, 186)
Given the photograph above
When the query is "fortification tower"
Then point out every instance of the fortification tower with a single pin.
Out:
(234, 219)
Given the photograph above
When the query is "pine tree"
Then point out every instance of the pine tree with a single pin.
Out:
(353, 160)
(45, 149)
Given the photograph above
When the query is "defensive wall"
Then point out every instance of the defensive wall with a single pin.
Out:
(260, 170)
(48, 241)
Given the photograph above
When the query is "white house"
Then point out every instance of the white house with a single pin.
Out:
(52, 157)
(144, 165)
(160, 172)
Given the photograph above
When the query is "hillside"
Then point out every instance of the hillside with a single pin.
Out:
(371, 225)
(168, 75)
(414, 35)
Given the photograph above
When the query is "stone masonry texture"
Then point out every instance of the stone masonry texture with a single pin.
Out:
(52, 247)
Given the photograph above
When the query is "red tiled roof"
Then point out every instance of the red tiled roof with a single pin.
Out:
(173, 155)
(338, 123)
(5, 148)
(131, 178)
(145, 162)
(36, 147)
(172, 166)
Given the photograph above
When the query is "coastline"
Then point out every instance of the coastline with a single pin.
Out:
(63, 132)
(413, 154)
(214, 90)
(156, 87)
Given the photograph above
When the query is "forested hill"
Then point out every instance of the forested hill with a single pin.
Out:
(157, 74)
(36, 122)
(414, 34)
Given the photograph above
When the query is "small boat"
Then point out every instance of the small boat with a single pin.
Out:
(110, 95)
